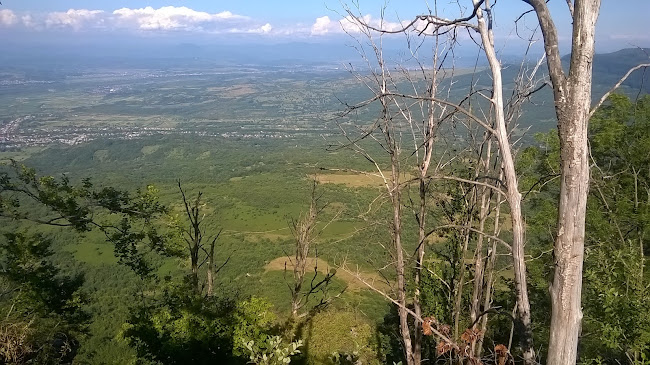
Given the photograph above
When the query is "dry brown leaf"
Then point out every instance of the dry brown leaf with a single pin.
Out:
(443, 347)
(445, 329)
(502, 354)
(427, 323)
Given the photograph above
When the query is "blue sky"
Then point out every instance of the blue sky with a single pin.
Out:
(622, 23)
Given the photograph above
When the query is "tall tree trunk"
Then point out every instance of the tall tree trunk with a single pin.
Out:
(512, 192)
(210, 273)
(303, 231)
(193, 235)
(299, 266)
(194, 263)
(458, 295)
(572, 95)
(417, 338)
(400, 264)
(489, 272)
(395, 192)
(479, 271)
(429, 137)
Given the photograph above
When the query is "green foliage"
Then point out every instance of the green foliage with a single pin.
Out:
(621, 180)
(126, 219)
(616, 326)
(390, 348)
(253, 321)
(617, 310)
(617, 314)
(272, 351)
(332, 336)
(182, 327)
(41, 309)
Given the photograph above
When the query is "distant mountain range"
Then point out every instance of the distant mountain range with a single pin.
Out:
(610, 67)
(55, 61)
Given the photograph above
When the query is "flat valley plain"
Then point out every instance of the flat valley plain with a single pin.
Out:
(126, 104)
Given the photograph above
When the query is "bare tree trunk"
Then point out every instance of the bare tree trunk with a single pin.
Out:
(396, 200)
(304, 235)
(300, 262)
(489, 272)
(417, 350)
(429, 138)
(399, 265)
(194, 263)
(566, 289)
(458, 300)
(572, 95)
(479, 272)
(193, 235)
(210, 273)
(512, 193)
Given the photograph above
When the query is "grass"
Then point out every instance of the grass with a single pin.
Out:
(273, 285)
(149, 149)
(349, 278)
(92, 253)
(351, 180)
(21, 155)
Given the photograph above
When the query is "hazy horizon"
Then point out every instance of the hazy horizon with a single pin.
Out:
(257, 31)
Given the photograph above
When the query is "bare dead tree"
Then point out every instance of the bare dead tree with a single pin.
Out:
(404, 121)
(513, 196)
(305, 232)
(486, 197)
(212, 272)
(396, 107)
(506, 114)
(572, 94)
(193, 235)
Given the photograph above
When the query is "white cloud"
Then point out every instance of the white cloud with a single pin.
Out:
(174, 18)
(7, 18)
(164, 19)
(266, 28)
(324, 25)
(28, 21)
(74, 18)
(351, 24)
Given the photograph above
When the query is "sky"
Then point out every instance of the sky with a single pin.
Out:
(622, 23)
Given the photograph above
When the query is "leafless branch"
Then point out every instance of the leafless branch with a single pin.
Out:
(616, 86)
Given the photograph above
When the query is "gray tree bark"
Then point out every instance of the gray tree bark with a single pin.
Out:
(572, 94)
(513, 196)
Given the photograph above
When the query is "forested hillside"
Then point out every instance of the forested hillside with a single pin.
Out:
(81, 293)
